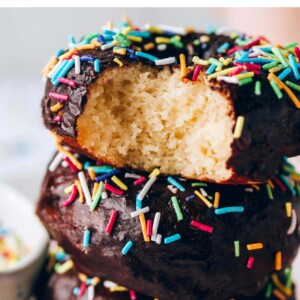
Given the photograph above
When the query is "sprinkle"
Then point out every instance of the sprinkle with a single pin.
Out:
(119, 183)
(91, 173)
(183, 65)
(280, 286)
(91, 292)
(291, 45)
(260, 61)
(270, 65)
(165, 61)
(63, 268)
(294, 66)
(70, 164)
(155, 226)
(175, 183)
(155, 173)
(244, 75)
(139, 212)
(221, 73)
(158, 239)
(95, 189)
(95, 281)
(149, 46)
(257, 88)
(71, 198)
(254, 246)
(57, 96)
(292, 85)
(269, 290)
(97, 65)
(109, 284)
(113, 190)
(278, 258)
(276, 89)
(108, 46)
(297, 53)
(122, 40)
(238, 127)
(140, 180)
(136, 39)
(146, 188)
(70, 155)
(288, 208)
(107, 175)
(237, 248)
(127, 29)
(146, 55)
(132, 295)
(201, 226)
(144, 227)
(56, 68)
(195, 184)
(56, 161)
(162, 40)
(196, 72)
(171, 188)
(278, 294)
(217, 200)
(86, 238)
(198, 61)
(111, 222)
(127, 247)
(223, 47)
(177, 209)
(116, 60)
(119, 50)
(97, 197)
(250, 262)
(79, 188)
(67, 54)
(67, 81)
(172, 238)
(82, 289)
(86, 47)
(228, 79)
(161, 47)
(245, 81)
(287, 184)
(82, 277)
(229, 209)
(68, 190)
(269, 192)
(149, 228)
(63, 71)
(77, 64)
(85, 188)
(284, 73)
(144, 34)
(138, 203)
(210, 70)
(118, 289)
(293, 224)
(134, 176)
(205, 201)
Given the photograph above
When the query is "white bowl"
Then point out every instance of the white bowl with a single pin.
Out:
(17, 213)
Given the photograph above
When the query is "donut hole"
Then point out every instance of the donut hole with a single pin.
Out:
(144, 117)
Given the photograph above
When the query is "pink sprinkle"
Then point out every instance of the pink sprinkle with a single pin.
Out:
(112, 189)
(98, 163)
(196, 72)
(111, 222)
(250, 262)
(149, 228)
(132, 295)
(140, 180)
(58, 119)
(71, 165)
(82, 289)
(71, 198)
(237, 71)
(254, 66)
(248, 46)
(202, 226)
(67, 81)
(57, 96)
(280, 184)
(297, 52)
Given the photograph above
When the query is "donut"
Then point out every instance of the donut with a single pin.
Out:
(170, 237)
(207, 106)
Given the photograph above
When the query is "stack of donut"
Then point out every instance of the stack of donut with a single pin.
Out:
(172, 175)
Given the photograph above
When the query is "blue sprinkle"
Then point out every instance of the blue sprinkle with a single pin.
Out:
(86, 238)
(129, 50)
(127, 247)
(189, 198)
(70, 63)
(59, 52)
(86, 165)
(172, 238)
(229, 209)
(75, 291)
(211, 69)
(60, 256)
(175, 183)
(287, 184)
(86, 58)
(107, 37)
(55, 75)
(138, 203)
(255, 60)
(266, 49)
(294, 66)
(132, 56)
(244, 55)
(89, 281)
(210, 29)
(109, 32)
(284, 73)
(144, 34)
(72, 39)
(101, 38)
(223, 47)
(146, 55)
(107, 175)
(97, 65)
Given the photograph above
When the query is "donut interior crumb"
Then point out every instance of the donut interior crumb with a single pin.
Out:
(141, 117)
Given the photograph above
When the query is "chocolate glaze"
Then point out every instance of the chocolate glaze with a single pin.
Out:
(200, 265)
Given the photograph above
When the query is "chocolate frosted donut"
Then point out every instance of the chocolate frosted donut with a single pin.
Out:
(212, 241)
(205, 106)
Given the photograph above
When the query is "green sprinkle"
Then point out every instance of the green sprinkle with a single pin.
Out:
(215, 62)
(97, 198)
(177, 43)
(237, 248)
(257, 88)
(177, 208)
(269, 191)
(91, 36)
(195, 184)
(289, 281)
(196, 42)
(270, 65)
(237, 55)
(269, 290)
(276, 89)
(279, 54)
(245, 81)
(291, 45)
(122, 39)
(293, 85)
(210, 197)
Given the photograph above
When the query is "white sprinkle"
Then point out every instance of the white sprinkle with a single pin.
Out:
(155, 226)
(107, 46)
(249, 190)
(175, 29)
(77, 64)
(64, 164)
(50, 74)
(85, 188)
(139, 211)
(293, 223)
(146, 188)
(203, 192)
(91, 292)
(104, 195)
(161, 47)
(134, 176)
(228, 79)
(172, 189)
(165, 61)
(158, 239)
(56, 161)
(109, 284)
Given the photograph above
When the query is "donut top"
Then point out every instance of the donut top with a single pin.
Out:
(251, 70)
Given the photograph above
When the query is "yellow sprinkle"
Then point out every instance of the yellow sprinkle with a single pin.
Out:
(86, 47)
(219, 68)
(239, 127)
(275, 69)
(82, 277)
(272, 76)
(116, 60)
(95, 281)
(126, 30)
(208, 204)
(278, 294)
(68, 189)
(182, 65)
(127, 20)
(196, 60)
(50, 65)
(270, 183)
(118, 288)
(120, 51)
(256, 187)
(149, 46)
(244, 75)
(119, 183)
(227, 61)
(137, 39)
(67, 54)
(92, 173)
(217, 200)
(162, 40)
(233, 35)
(280, 286)
(288, 208)
(81, 195)
(96, 43)
(144, 227)
(155, 173)
(95, 189)
(278, 258)
(255, 246)
(110, 25)
(56, 107)
(204, 39)
(154, 29)
(221, 73)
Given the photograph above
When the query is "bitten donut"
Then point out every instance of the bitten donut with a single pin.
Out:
(206, 106)
(169, 237)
